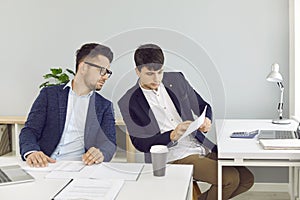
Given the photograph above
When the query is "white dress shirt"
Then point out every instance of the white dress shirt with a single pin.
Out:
(168, 118)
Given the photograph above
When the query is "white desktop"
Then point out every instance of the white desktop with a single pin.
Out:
(248, 152)
(173, 185)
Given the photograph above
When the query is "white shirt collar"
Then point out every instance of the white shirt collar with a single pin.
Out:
(69, 84)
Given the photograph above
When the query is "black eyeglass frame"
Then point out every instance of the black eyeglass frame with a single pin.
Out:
(103, 70)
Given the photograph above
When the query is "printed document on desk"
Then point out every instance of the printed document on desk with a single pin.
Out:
(280, 144)
(91, 189)
(105, 170)
(194, 125)
(125, 171)
(67, 166)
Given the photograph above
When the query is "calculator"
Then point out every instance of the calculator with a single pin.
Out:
(244, 134)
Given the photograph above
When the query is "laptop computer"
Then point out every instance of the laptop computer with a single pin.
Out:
(279, 134)
(13, 174)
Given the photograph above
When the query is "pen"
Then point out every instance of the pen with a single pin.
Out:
(62, 189)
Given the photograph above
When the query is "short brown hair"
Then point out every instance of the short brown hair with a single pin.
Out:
(149, 55)
(92, 50)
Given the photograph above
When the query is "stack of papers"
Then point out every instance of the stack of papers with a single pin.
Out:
(102, 181)
(280, 144)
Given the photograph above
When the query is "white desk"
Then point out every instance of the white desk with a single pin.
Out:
(248, 152)
(176, 185)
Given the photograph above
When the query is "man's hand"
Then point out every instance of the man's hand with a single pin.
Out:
(205, 127)
(38, 159)
(179, 130)
(93, 155)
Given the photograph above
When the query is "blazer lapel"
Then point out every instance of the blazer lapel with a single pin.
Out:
(63, 104)
(91, 124)
(171, 91)
(145, 107)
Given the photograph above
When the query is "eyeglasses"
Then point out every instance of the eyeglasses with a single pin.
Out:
(103, 70)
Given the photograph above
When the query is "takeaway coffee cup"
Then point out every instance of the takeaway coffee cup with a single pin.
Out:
(159, 155)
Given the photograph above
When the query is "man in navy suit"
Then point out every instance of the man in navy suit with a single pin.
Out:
(72, 121)
(159, 109)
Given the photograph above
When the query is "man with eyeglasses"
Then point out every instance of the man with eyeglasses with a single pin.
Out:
(160, 108)
(72, 121)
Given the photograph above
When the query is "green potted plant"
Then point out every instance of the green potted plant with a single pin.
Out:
(57, 77)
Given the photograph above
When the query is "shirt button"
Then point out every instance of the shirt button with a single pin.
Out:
(172, 119)
(165, 108)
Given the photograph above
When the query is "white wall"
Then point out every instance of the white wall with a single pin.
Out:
(294, 52)
(224, 48)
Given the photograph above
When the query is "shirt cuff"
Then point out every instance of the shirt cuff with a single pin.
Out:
(27, 153)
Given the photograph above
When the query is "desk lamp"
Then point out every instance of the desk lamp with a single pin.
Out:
(275, 76)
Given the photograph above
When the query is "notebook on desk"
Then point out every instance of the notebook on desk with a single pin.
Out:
(13, 174)
(283, 144)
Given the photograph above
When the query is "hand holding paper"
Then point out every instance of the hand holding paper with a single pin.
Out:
(194, 125)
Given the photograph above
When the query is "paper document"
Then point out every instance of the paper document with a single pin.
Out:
(67, 166)
(91, 189)
(194, 125)
(105, 170)
(280, 144)
(125, 171)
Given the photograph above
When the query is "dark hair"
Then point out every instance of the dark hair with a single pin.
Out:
(92, 50)
(149, 55)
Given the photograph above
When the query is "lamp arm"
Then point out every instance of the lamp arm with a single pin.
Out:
(280, 105)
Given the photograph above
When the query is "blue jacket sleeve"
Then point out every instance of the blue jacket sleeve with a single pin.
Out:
(28, 138)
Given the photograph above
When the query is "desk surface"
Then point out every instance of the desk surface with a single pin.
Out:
(238, 148)
(174, 185)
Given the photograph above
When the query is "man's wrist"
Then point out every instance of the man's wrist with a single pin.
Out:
(28, 153)
(172, 136)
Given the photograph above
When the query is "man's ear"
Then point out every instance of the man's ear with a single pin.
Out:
(82, 67)
(137, 72)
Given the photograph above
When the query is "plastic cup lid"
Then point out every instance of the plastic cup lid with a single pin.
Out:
(159, 149)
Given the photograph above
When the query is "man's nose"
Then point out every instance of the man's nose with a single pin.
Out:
(105, 77)
(156, 77)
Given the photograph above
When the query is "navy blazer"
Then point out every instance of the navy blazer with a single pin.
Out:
(46, 120)
(141, 122)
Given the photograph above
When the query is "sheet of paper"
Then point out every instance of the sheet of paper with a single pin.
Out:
(67, 166)
(125, 171)
(91, 189)
(105, 170)
(194, 125)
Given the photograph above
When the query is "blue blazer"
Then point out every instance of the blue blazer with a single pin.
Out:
(141, 122)
(46, 120)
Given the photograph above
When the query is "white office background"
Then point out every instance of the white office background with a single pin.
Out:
(295, 59)
(225, 48)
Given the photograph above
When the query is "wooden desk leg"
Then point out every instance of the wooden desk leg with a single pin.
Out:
(130, 149)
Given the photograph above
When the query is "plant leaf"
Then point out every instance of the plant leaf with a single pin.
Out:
(44, 84)
(70, 71)
(47, 76)
(63, 78)
(56, 71)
